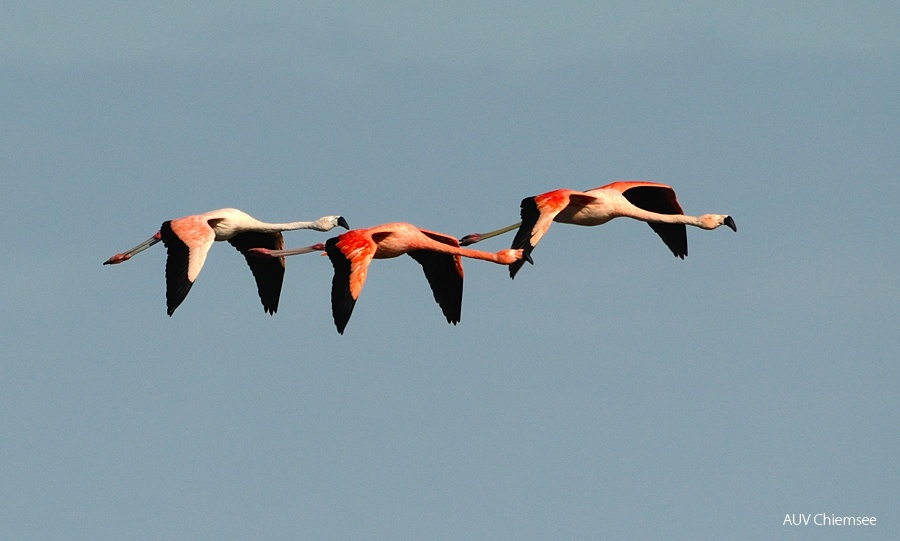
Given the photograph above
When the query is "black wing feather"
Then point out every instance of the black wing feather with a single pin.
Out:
(342, 302)
(177, 283)
(444, 279)
(661, 201)
(529, 215)
(268, 272)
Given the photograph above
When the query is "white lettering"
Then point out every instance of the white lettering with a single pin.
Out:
(796, 520)
(821, 519)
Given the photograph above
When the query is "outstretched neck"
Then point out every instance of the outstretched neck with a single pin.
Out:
(264, 227)
(654, 217)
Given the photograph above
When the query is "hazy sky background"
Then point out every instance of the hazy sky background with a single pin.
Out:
(610, 391)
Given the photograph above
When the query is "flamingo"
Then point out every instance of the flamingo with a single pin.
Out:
(649, 202)
(439, 255)
(188, 240)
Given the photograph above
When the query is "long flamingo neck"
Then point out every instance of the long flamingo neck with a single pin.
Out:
(654, 217)
(264, 227)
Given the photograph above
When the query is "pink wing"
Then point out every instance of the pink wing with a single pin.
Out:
(537, 214)
(350, 255)
(187, 242)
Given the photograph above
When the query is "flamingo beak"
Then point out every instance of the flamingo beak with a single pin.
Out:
(729, 221)
(343, 223)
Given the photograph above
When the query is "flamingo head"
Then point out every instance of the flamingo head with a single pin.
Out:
(712, 221)
(327, 223)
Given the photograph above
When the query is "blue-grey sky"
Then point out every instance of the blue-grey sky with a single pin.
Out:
(610, 391)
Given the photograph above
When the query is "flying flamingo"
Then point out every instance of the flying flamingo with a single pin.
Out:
(188, 240)
(645, 201)
(438, 254)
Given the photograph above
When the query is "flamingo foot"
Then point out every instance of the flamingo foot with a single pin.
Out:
(470, 239)
(116, 259)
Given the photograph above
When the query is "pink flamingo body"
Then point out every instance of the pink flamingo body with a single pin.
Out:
(649, 202)
(439, 254)
(189, 239)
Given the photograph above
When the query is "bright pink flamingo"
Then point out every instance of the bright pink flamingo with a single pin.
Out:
(645, 201)
(438, 254)
(188, 240)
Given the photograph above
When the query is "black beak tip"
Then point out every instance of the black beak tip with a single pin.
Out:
(729, 221)
(343, 222)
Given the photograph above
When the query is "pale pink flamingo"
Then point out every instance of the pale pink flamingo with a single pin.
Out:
(649, 202)
(188, 240)
(438, 254)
